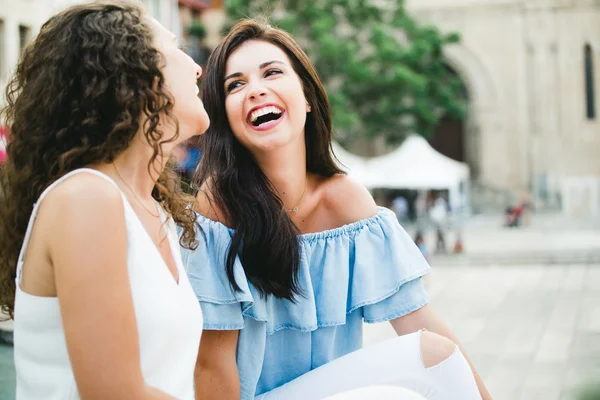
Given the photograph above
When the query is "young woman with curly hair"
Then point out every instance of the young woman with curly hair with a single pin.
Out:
(89, 260)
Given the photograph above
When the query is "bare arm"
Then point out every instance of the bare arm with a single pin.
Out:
(216, 375)
(342, 188)
(425, 318)
(87, 246)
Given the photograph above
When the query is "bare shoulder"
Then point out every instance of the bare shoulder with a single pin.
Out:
(82, 209)
(347, 200)
(83, 193)
(81, 217)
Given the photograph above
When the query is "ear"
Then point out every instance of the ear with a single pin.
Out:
(155, 83)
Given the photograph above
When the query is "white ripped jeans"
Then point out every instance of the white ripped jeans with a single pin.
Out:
(396, 362)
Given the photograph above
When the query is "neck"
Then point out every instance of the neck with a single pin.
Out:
(132, 167)
(286, 169)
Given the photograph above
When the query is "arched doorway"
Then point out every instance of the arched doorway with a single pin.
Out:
(449, 138)
(451, 135)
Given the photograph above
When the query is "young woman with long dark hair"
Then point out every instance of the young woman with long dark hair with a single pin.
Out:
(298, 254)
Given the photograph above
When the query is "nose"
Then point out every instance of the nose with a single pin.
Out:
(256, 92)
(198, 71)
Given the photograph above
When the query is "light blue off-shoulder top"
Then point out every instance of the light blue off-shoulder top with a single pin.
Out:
(369, 270)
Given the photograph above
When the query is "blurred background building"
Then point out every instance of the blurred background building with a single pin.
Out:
(21, 20)
(530, 70)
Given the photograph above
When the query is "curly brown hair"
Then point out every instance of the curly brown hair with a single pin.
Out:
(83, 89)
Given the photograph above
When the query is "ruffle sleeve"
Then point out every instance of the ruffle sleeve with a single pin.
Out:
(371, 265)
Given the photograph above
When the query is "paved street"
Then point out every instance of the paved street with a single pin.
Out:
(533, 331)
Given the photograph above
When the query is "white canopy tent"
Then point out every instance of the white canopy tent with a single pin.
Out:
(418, 166)
(414, 165)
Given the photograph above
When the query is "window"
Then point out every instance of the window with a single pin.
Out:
(590, 102)
(24, 36)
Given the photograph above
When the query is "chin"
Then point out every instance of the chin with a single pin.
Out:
(200, 124)
(271, 144)
(203, 127)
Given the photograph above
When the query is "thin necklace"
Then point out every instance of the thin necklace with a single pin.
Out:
(295, 209)
(133, 192)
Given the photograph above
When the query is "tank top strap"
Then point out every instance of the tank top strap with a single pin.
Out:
(39, 201)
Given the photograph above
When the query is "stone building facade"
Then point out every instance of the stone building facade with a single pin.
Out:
(21, 20)
(532, 72)
(531, 69)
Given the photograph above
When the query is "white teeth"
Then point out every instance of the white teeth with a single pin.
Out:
(264, 111)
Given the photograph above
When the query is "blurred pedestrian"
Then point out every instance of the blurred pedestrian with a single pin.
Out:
(420, 242)
(400, 207)
(439, 217)
(458, 244)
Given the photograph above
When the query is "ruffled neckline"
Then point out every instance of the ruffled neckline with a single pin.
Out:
(358, 265)
(326, 234)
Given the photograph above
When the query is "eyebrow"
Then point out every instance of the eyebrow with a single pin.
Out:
(261, 66)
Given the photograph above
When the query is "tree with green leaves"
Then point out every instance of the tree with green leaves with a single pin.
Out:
(384, 72)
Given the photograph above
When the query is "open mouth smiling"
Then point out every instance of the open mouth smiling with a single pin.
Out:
(265, 116)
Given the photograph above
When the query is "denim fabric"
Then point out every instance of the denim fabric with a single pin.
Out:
(366, 271)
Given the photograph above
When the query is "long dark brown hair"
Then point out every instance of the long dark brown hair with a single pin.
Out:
(265, 237)
(80, 94)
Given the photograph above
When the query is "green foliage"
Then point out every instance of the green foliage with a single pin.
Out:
(197, 30)
(385, 74)
(590, 392)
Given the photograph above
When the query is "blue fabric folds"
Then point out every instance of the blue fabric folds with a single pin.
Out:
(369, 269)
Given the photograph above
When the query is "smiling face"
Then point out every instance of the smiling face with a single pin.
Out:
(181, 74)
(264, 99)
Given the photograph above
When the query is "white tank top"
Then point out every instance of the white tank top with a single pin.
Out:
(168, 315)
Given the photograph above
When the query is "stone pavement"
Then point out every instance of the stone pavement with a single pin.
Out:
(533, 331)
(549, 239)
